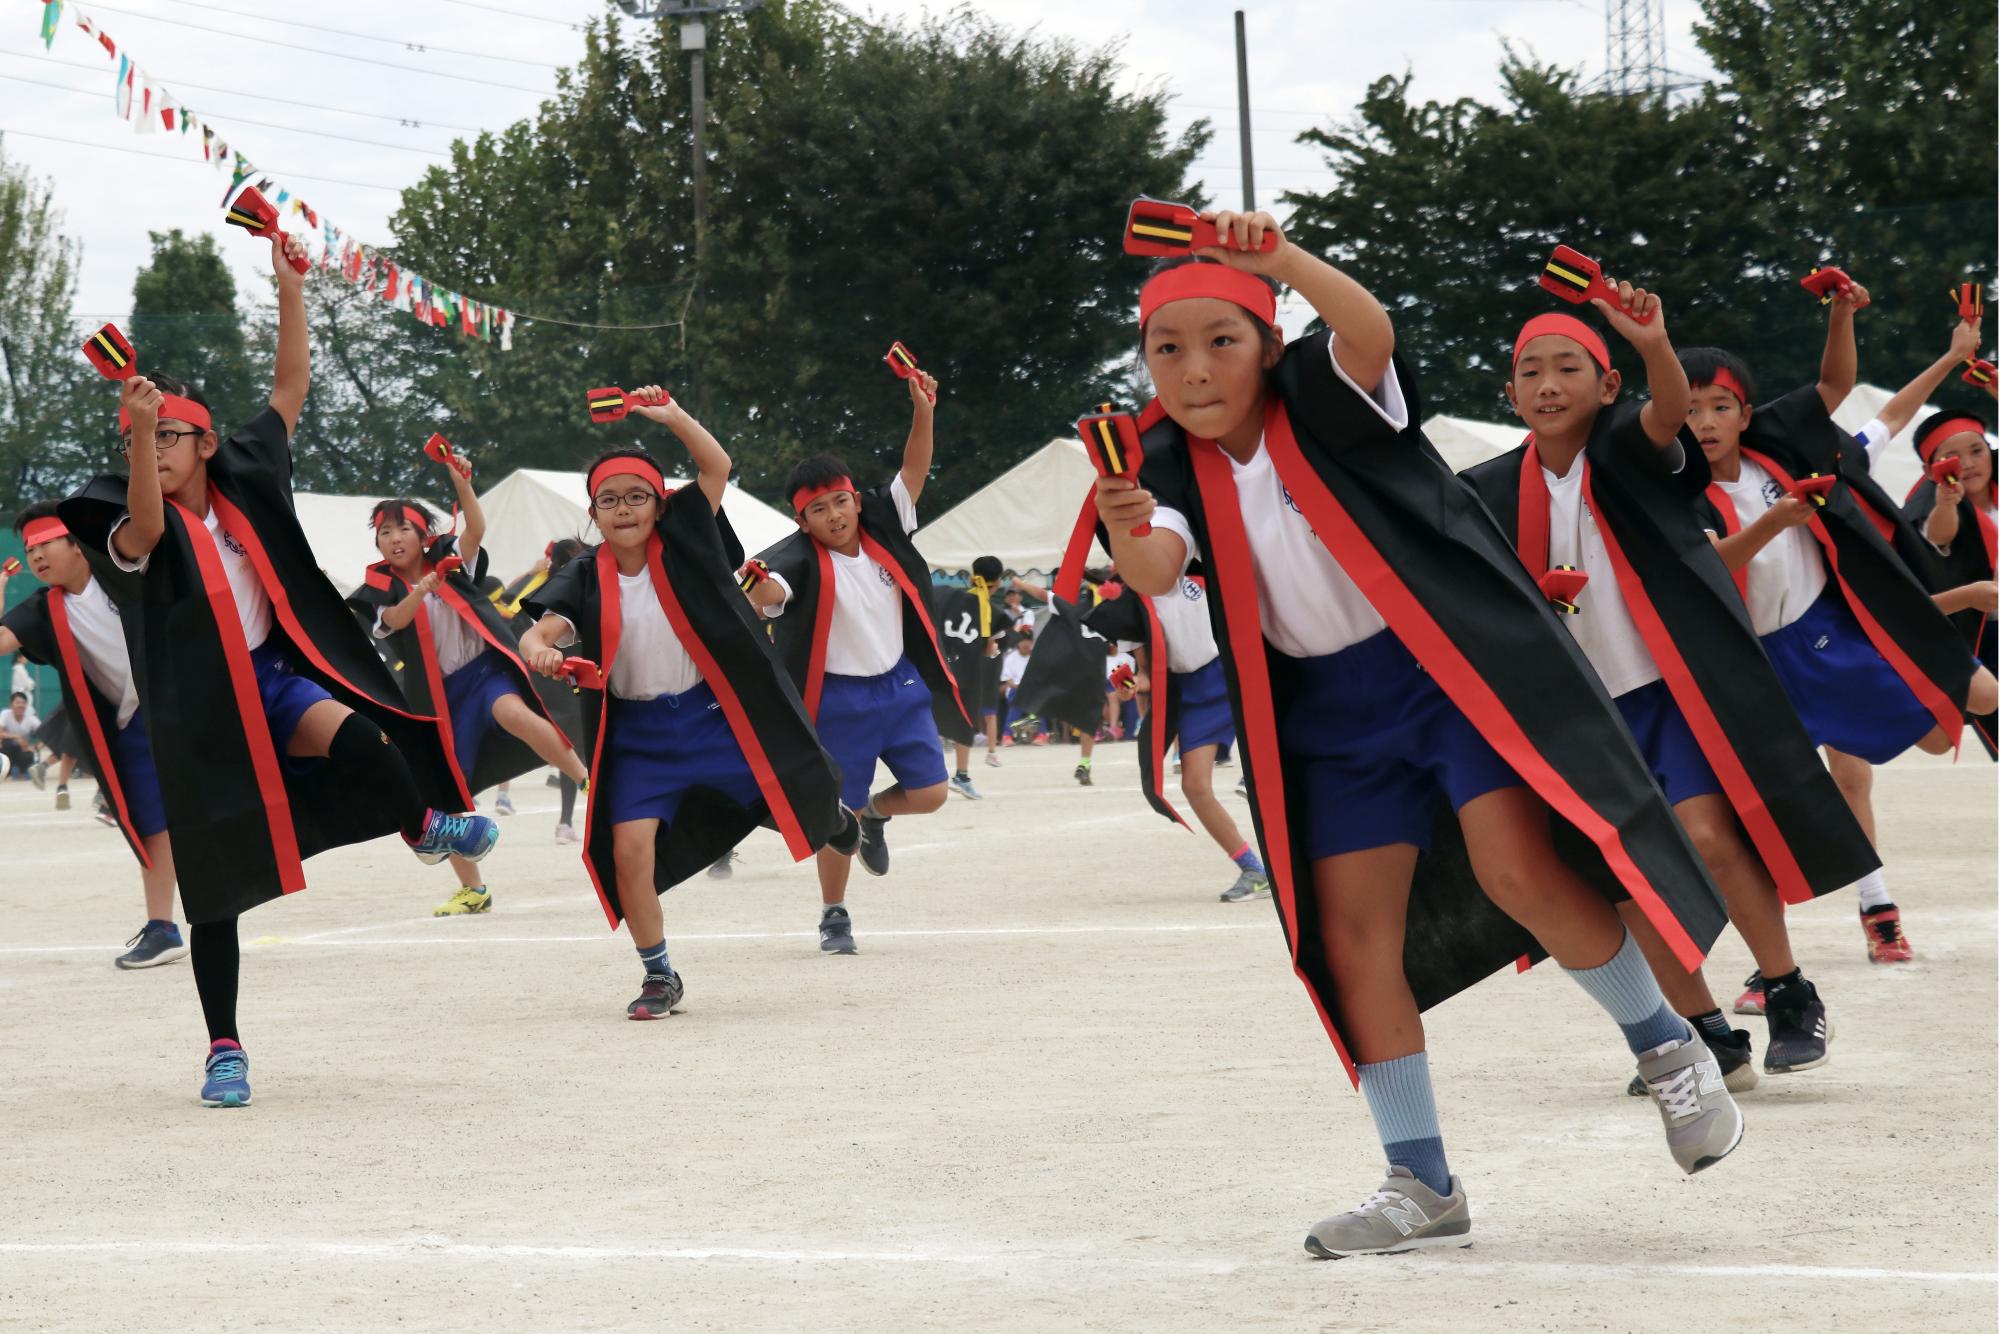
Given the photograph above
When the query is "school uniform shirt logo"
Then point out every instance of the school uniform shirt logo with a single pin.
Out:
(1190, 590)
(1291, 504)
(1772, 492)
(235, 547)
(882, 573)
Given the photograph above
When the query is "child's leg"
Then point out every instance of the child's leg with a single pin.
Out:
(466, 871)
(1746, 886)
(512, 712)
(158, 878)
(567, 794)
(1686, 991)
(964, 759)
(64, 770)
(218, 962)
(899, 800)
(834, 868)
(1855, 778)
(331, 730)
(632, 846)
(1198, 786)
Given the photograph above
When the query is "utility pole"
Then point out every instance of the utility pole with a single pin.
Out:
(1243, 116)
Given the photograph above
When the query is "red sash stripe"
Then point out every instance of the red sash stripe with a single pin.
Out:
(79, 685)
(1161, 675)
(881, 556)
(1732, 524)
(822, 630)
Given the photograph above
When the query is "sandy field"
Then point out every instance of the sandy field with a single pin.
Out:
(1061, 1087)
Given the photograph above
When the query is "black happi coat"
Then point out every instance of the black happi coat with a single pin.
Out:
(1132, 617)
(1064, 678)
(1793, 438)
(693, 570)
(1972, 559)
(1691, 615)
(502, 755)
(1423, 550)
(242, 816)
(976, 674)
(801, 634)
(90, 718)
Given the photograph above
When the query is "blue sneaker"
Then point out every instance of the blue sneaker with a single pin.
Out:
(470, 836)
(156, 943)
(228, 1070)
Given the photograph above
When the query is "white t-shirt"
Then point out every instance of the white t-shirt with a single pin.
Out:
(23, 681)
(1184, 621)
(865, 636)
(1307, 604)
(1788, 574)
(1024, 619)
(457, 642)
(1114, 661)
(1012, 666)
(1603, 625)
(253, 604)
(23, 727)
(100, 641)
(651, 659)
(1874, 438)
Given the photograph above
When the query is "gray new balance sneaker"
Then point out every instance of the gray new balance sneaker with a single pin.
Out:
(1249, 885)
(1404, 1215)
(1703, 1122)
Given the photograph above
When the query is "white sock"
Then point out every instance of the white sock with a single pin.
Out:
(1874, 891)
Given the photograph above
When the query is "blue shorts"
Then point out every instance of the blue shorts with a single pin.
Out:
(657, 749)
(286, 696)
(470, 693)
(1204, 719)
(133, 753)
(1667, 742)
(887, 717)
(1847, 694)
(1379, 741)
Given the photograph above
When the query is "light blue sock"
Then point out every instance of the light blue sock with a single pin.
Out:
(655, 958)
(1399, 1098)
(1246, 858)
(1624, 986)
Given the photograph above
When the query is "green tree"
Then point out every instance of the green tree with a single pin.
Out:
(945, 183)
(54, 431)
(185, 322)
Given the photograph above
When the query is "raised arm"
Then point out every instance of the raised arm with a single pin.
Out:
(474, 531)
(1740, 548)
(135, 540)
(538, 646)
(294, 370)
(1901, 410)
(1666, 408)
(1837, 365)
(917, 449)
(400, 615)
(9, 645)
(1941, 524)
(711, 461)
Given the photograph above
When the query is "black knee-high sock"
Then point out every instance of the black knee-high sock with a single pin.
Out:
(217, 960)
(363, 750)
(568, 799)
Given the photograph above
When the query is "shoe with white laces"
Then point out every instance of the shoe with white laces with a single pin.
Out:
(469, 836)
(1702, 1121)
(1403, 1215)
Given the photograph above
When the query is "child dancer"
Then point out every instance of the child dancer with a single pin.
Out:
(975, 631)
(849, 598)
(1385, 648)
(1191, 709)
(286, 735)
(1604, 487)
(71, 625)
(698, 737)
(459, 657)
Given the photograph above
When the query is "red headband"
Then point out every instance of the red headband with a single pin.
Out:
(1568, 326)
(622, 463)
(45, 529)
(1186, 281)
(411, 515)
(175, 407)
(1725, 379)
(806, 495)
(1944, 429)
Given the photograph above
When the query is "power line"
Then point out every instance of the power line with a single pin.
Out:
(181, 161)
(574, 25)
(422, 48)
(409, 121)
(315, 50)
(266, 124)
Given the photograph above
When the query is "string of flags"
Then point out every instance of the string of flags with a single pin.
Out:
(151, 108)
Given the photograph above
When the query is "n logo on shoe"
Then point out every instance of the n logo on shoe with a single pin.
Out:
(1711, 1078)
(1407, 1216)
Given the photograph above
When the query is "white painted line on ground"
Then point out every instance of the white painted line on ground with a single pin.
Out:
(1402, 1267)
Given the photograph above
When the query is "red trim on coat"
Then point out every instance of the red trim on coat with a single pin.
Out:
(249, 700)
(1732, 524)
(1157, 668)
(880, 555)
(79, 685)
(434, 681)
(452, 597)
(610, 625)
(1461, 682)
(1076, 554)
(1933, 699)
(822, 631)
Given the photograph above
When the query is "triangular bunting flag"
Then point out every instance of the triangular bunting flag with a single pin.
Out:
(51, 21)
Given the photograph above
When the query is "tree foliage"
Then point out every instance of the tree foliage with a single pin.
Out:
(185, 322)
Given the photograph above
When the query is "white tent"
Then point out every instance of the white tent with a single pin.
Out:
(528, 509)
(1464, 442)
(1024, 516)
(337, 529)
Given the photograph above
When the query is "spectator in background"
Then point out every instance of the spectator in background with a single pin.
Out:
(18, 725)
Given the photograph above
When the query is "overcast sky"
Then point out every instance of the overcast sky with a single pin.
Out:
(408, 97)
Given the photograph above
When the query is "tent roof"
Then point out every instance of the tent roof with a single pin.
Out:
(338, 532)
(1464, 442)
(1024, 516)
(529, 508)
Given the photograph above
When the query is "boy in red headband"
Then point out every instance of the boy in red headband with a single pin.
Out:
(1865, 655)
(1387, 653)
(1602, 487)
(71, 625)
(696, 737)
(458, 656)
(850, 602)
(286, 733)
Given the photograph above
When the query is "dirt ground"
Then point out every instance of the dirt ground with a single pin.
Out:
(1061, 1087)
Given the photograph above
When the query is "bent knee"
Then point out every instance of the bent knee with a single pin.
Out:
(925, 800)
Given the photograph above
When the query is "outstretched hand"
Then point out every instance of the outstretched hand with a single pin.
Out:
(1246, 232)
(1642, 305)
(1965, 340)
(285, 249)
(654, 404)
(142, 400)
(923, 392)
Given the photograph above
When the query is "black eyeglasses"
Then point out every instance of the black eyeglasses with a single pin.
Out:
(163, 439)
(630, 499)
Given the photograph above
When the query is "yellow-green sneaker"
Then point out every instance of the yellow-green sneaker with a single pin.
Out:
(470, 899)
